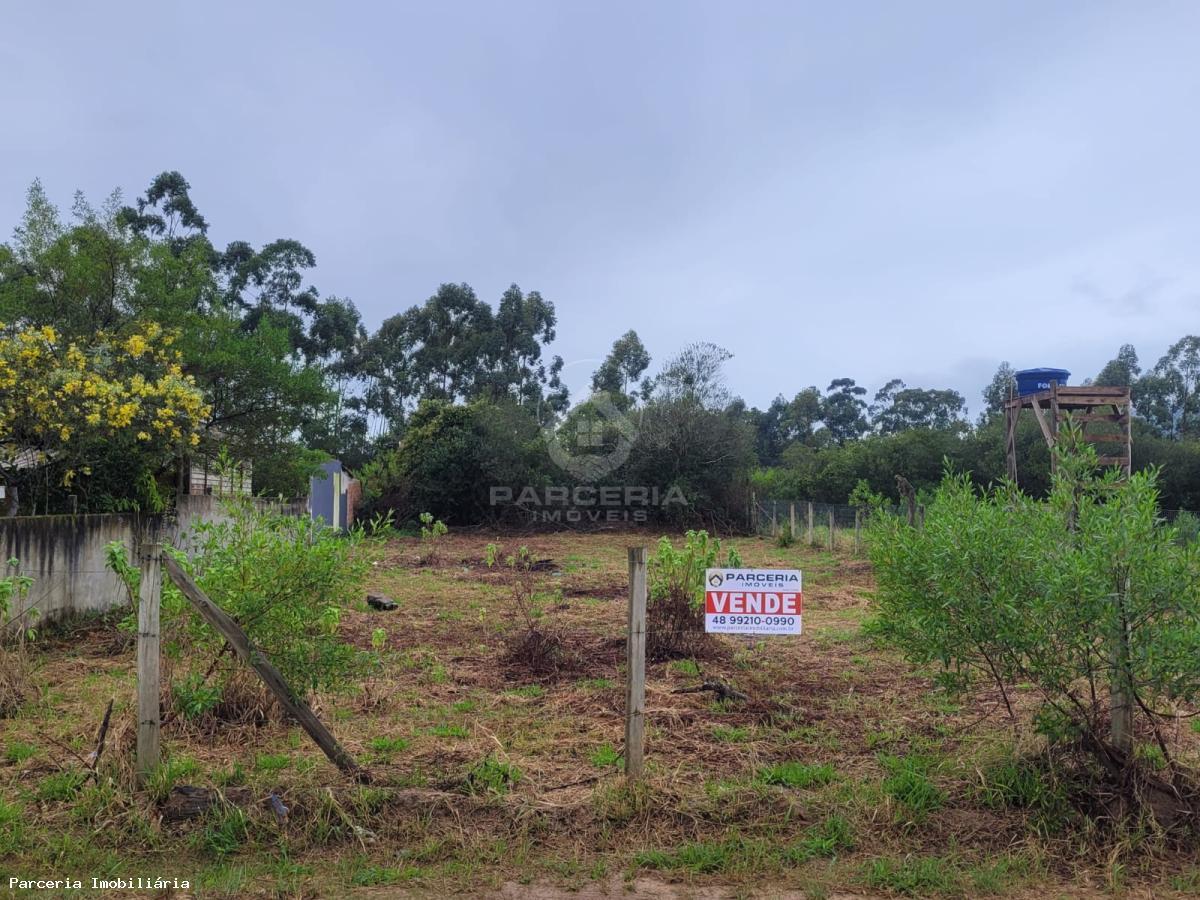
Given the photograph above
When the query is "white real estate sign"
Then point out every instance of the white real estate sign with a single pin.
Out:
(753, 601)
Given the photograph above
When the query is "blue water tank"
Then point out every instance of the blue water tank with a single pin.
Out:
(1034, 381)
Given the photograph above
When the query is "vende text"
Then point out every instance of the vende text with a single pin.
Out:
(771, 603)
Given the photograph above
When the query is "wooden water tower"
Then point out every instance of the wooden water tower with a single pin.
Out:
(1087, 405)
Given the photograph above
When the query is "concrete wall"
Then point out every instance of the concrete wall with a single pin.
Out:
(64, 555)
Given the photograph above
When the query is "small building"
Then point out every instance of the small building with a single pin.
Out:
(206, 477)
(330, 496)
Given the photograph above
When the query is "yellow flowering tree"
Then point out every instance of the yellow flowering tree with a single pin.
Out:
(64, 403)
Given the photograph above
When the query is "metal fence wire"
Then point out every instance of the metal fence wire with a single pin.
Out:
(813, 523)
(829, 525)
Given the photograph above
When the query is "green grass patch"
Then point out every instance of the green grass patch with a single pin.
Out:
(595, 684)
(491, 776)
(686, 667)
(272, 762)
(797, 774)
(916, 876)
(60, 786)
(12, 828)
(445, 730)
(705, 858)
(529, 690)
(826, 839)
(606, 756)
(731, 734)
(907, 782)
(16, 752)
(388, 745)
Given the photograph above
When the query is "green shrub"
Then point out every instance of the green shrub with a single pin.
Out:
(1014, 590)
(431, 535)
(675, 607)
(286, 584)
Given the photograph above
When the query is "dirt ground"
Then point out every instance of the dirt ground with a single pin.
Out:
(845, 773)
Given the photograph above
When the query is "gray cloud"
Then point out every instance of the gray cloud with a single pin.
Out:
(828, 190)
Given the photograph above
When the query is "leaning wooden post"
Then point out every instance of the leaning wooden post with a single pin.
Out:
(635, 696)
(857, 530)
(831, 529)
(774, 518)
(810, 523)
(149, 753)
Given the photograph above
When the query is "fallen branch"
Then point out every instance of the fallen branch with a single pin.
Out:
(94, 756)
(720, 688)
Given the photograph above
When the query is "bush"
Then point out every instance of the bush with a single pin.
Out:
(1000, 586)
(14, 659)
(285, 584)
(675, 607)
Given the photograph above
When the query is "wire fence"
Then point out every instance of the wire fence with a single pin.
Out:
(839, 525)
(809, 522)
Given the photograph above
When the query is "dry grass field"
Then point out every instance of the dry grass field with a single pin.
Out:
(845, 773)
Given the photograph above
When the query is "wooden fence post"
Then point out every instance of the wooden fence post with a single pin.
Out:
(831, 529)
(148, 550)
(857, 530)
(810, 523)
(774, 518)
(792, 519)
(754, 512)
(635, 697)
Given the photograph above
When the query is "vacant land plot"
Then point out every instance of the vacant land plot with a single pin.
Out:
(844, 772)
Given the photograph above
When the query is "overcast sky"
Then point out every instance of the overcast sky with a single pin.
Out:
(872, 190)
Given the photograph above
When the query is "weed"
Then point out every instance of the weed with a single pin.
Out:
(529, 690)
(1000, 875)
(491, 776)
(595, 684)
(388, 745)
(61, 786)
(908, 783)
(12, 828)
(823, 840)
(606, 756)
(448, 731)
(167, 774)
(230, 777)
(916, 876)
(194, 698)
(705, 858)
(225, 830)
(16, 752)
(272, 762)
(686, 667)
(1016, 783)
(797, 774)
(731, 734)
